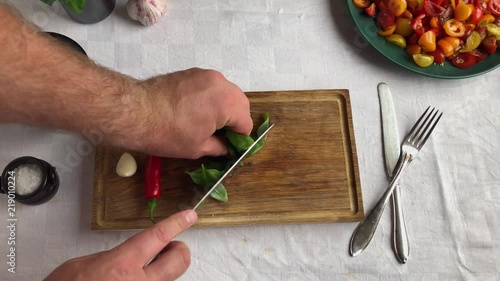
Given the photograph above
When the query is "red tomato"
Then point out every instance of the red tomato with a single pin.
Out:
(417, 25)
(494, 7)
(371, 10)
(413, 39)
(432, 9)
(385, 19)
(477, 13)
(464, 60)
(479, 55)
(490, 44)
(438, 2)
(438, 56)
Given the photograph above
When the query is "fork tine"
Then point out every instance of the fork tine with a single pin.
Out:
(419, 132)
(422, 142)
(417, 124)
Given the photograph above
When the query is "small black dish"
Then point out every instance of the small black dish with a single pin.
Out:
(48, 187)
(68, 41)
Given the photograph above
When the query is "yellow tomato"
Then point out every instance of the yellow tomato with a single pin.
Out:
(396, 7)
(484, 20)
(473, 41)
(397, 40)
(446, 47)
(388, 31)
(463, 11)
(428, 41)
(454, 28)
(423, 60)
(403, 27)
(361, 3)
(434, 22)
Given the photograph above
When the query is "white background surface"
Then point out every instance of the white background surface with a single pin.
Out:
(451, 193)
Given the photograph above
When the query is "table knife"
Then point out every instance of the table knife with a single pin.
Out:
(392, 151)
(233, 166)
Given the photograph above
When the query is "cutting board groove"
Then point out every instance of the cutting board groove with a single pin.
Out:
(307, 172)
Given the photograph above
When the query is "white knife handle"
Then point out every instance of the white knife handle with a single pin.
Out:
(401, 243)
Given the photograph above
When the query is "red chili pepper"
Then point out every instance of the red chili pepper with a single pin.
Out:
(152, 183)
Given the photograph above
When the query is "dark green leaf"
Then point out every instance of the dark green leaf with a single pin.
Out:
(75, 5)
(48, 2)
(240, 142)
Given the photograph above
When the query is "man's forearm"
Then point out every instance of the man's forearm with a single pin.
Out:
(45, 83)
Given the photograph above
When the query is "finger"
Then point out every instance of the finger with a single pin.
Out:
(213, 146)
(171, 264)
(146, 244)
(241, 123)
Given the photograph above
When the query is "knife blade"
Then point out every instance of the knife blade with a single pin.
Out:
(233, 166)
(392, 151)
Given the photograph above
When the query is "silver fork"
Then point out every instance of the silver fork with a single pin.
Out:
(412, 144)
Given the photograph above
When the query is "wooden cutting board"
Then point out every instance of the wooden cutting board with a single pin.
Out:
(306, 172)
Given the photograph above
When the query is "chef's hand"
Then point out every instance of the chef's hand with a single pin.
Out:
(180, 112)
(127, 260)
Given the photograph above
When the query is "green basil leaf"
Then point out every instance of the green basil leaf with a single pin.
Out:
(219, 193)
(240, 142)
(76, 6)
(262, 128)
(197, 177)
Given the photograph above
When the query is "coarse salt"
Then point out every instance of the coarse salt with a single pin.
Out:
(28, 178)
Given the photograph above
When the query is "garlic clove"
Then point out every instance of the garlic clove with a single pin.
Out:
(127, 166)
(148, 12)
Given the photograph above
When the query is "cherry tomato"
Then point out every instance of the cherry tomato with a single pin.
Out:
(423, 60)
(438, 56)
(464, 60)
(396, 7)
(490, 44)
(477, 13)
(387, 31)
(485, 19)
(428, 41)
(407, 14)
(403, 27)
(494, 7)
(371, 10)
(454, 28)
(472, 42)
(463, 11)
(361, 3)
(414, 49)
(385, 19)
(434, 23)
(397, 40)
(446, 47)
(432, 9)
(455, 42)
(480, 56)
(468, 31)
(417, 25)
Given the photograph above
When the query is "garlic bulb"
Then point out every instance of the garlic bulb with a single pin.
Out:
(148, 12)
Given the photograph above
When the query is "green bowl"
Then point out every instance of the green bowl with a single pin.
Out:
(368, 29)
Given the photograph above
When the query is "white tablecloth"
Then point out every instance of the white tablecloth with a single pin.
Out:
(451, 193)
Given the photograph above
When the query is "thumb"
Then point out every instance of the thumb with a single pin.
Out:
(213, 146)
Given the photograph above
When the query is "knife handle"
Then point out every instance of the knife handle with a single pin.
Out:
(400, 240)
